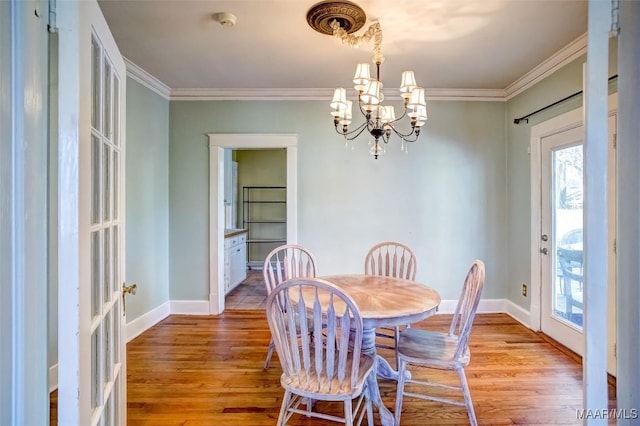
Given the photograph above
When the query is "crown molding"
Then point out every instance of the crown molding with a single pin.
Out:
(484, 95)
(323, 95)
(147, 80)
(250, 94)
(558, 60)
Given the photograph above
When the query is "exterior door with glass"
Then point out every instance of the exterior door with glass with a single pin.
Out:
(562, 255)
(562, 208)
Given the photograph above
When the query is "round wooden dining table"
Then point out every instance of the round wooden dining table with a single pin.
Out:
(385, 302)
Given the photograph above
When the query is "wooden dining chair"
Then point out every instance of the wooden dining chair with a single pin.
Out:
(282, 263)
(571, 279)
(442, 351)
(318, 339)
(391, 259)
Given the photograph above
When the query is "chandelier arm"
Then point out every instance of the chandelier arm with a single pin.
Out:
(404, 114)
(357, 129)
(359, 133)
(366, 114)
(405, 136)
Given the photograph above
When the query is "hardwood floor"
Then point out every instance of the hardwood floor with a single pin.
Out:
(194, 370)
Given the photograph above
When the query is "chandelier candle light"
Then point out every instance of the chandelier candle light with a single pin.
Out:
(379, 120)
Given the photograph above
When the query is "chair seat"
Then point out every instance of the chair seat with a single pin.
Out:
(433, 349)
(321, 387)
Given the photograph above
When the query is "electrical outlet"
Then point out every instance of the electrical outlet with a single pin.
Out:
(524, 289)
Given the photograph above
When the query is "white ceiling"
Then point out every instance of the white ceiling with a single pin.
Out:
(453, 44)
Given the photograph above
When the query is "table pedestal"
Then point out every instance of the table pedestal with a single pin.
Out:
(382, 369)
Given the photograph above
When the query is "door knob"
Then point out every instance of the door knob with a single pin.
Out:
(544, 250)
(131, 289)
(127, 289)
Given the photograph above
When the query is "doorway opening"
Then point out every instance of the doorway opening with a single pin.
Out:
(244, 142)
(256, 221)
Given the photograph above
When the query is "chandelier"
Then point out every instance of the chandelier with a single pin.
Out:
(340, 19)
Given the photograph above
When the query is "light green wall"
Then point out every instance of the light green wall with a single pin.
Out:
(446, 198)
(147, 186)
(562, 83)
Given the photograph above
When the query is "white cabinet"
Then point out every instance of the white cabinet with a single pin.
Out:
(235, 261)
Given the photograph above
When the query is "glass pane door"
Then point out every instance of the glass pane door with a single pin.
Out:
(567, 214)
(105, 237)
(561, 269)
(92, 221)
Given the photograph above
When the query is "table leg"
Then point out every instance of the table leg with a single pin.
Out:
(369, 348)
(385, 370)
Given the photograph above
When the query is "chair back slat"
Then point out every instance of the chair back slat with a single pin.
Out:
(331, 338)
(317, 336)
(345, 329)
(391, 259)
(465, 312)
(304, 335)
(282, 330)
(327, 355)
(286, 262)
(292, 334)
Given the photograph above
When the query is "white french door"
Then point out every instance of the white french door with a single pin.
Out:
(106, 237)
(561, 238)
(95, 395)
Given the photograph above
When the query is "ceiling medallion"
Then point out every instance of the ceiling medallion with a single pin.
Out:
(349, 16)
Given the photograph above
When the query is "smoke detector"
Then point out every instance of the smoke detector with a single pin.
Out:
(225, 19)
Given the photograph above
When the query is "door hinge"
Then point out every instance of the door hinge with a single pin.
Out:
(615, 350)
(615, 140)
(615, 245)
(52, 26)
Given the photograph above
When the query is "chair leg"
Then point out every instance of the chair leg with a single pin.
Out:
(309, 404)
(369, 408)
(269, 354)
(400, 391)
(348, 413)
(467, 397)
(283, 408)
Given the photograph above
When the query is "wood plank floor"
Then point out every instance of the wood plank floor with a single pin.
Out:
(194, 370)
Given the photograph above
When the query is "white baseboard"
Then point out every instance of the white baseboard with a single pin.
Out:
(486, 306)
(518, 313)
(201, 307)
(190, 307)
(255, 266)
(53, 378)
(146, 321)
